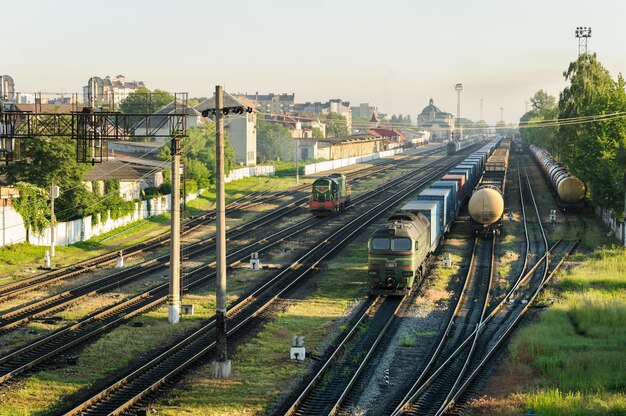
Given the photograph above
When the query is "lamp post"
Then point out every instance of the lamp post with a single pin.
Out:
(458, 88)
(583, 33)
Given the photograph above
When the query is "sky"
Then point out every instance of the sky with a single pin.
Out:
(395, 55)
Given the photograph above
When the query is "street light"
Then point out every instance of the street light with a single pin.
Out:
(583, 33)
(458, 88)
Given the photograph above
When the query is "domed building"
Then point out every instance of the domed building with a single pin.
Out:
(439, 123)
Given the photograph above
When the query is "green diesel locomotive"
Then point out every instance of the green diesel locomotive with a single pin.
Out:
(396, 253)
(329, 194)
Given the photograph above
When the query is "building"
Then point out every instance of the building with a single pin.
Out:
(298, 127)
(339, 147)
(364, 110)
(271, 103)
(133, 178)
(335, 105)
(439, 123)
(392, 138)
(109, 92)
(7, 88)
(241, 128)
(159, 122)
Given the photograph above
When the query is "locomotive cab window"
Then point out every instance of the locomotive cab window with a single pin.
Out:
(401, 244)
(380, 244)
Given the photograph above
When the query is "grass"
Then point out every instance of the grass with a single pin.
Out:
(576, 352)
(237, 189)
(23, 257)
(42, 392)
(261, 368)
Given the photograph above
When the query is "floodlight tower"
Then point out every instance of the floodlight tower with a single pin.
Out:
(583, 33)
(458, 88)
(501, 114)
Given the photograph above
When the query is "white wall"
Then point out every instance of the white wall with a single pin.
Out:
(338, 163)
(12, 224)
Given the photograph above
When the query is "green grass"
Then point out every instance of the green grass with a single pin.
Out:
(576, 352)
(261, 368)
(42, 391)
(237, 189)
(18, 257)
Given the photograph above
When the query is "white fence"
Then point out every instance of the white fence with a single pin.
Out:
(70, 232)
(250, 171)
(338, 163)
(617, 226)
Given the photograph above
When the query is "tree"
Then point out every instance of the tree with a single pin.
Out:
(274, 142)
(336, 125)
(592, 150)
(144, 101)
(544, 109)
(52, 159)
(317, 133)
(201, 145)
(32, 205)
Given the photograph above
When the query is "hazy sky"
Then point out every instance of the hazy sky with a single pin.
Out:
(393, 54)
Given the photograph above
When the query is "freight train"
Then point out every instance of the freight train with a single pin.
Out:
(329, 195)
(455, 146)
(568, 190)
(486, 205)
(398, 249)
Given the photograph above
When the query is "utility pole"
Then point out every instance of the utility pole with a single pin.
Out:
(481, 109)
(221, 365)
(173, 299)
(297, 160)
(54, 193)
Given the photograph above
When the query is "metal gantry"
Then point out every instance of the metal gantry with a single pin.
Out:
(91, 127)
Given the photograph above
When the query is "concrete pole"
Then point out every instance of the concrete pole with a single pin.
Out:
(297, 159)
(52, 219)
(221, 365)
(174, 295)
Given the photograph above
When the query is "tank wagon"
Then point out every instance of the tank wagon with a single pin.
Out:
(329, 194)
(398, 249)
(568, 190)
(486, 204)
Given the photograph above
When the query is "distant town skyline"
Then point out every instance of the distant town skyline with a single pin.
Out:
(395, 56)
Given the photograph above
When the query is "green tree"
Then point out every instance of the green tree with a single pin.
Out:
(533, 123)
(52, 159)
(32, 205)
(144, 101)
(336, 125)
(592, 150)
(318, 133)
(274, 142)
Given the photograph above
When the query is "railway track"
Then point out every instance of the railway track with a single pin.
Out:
(18, 315)
(130, 389)
(13, 289)
(25, 358)
(493, 330)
